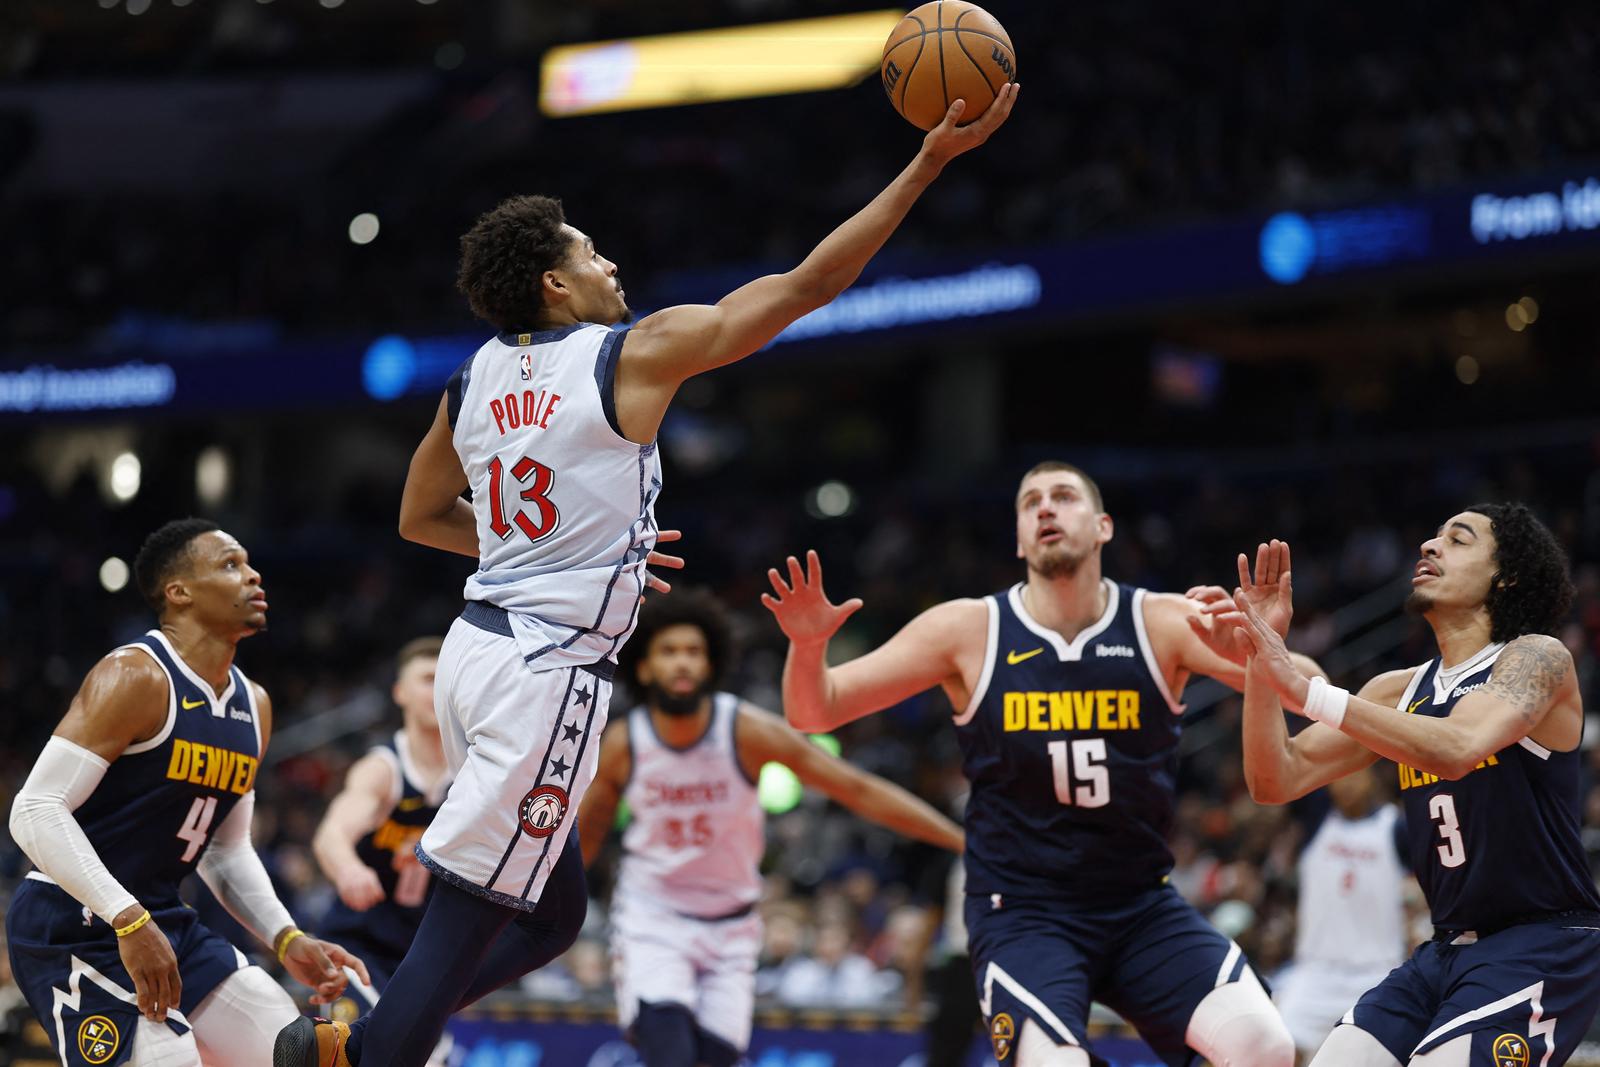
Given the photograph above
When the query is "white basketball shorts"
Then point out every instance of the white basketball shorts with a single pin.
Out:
(523, 746)
(1313, 996)
(706, 965)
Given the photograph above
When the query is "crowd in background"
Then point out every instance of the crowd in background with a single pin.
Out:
(1135, 115)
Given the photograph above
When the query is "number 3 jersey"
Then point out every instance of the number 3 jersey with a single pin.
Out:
(1501, 844)
(564, 503)
(695, 843)
(1071, 749)
(152, 814)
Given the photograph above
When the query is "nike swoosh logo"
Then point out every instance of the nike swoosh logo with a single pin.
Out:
(1416, 704)
(1014, 657)
(196, 704)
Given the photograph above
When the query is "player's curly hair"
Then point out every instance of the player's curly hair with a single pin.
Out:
(504, 256)
(162, 555)
(683, 606)
(1531, 592)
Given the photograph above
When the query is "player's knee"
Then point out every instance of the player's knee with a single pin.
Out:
(1035, 1048)
(238, 1021)
(1237, 1026)
(665, 1035)
(1351, 1046)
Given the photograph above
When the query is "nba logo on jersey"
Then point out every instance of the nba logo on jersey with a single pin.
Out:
(526, 363)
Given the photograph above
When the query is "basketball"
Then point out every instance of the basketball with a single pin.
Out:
(942, 52)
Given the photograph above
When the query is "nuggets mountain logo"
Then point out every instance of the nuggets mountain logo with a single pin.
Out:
(98, 1039)
(542, 810)
(1510, 1050)
(1002, 1031)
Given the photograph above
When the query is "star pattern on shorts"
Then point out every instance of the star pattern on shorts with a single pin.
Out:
(559, 767)
(571, 731)
(583, 697)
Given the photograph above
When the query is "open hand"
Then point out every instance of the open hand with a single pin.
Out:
(946, 141)
(1269, 656)
(661, 559)
(801, 607)
(320, 965)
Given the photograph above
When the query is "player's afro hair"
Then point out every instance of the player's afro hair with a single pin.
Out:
(504, 257)
(1531, 592)
(682, 607)
(163, 554)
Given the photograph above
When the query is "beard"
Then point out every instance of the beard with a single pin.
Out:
(1418, 603)
(677, 705)
(1056, 561)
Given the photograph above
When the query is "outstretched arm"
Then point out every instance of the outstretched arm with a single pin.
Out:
(432, 511)
(1530, 676)
(674, 344)
(599, 811)
(921, 656)
(1279, 768)
(763, 737)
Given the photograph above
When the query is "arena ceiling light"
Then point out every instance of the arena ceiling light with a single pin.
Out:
(797, 56)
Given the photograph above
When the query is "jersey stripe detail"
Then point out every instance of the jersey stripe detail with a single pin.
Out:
(991, 643)
(172, 707)
(1149, 653)
(605, 376)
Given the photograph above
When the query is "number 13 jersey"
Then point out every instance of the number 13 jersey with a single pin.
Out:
(565, 505)
(1502, 843)
(1072, 752)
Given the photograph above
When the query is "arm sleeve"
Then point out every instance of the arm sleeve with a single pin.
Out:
(233, 871)
(43, 826)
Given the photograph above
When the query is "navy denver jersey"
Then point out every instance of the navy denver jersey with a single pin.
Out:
(1500, 845)
(1071, 748)
(389, 850)
(153, 813)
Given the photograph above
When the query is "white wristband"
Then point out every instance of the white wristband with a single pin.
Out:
(1326, 703)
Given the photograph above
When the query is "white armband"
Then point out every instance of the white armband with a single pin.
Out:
(1326, 703)
(233, 871)
(43, 826)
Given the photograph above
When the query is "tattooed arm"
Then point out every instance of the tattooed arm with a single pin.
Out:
(1533, 674)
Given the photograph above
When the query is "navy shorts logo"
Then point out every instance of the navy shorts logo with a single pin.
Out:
(1510, 1050)
(1003, 1032)
(345, 1010)
(98, 1039)
(543, 809)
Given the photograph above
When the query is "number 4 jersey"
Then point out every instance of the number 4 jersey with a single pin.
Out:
(564, 503)
(1072, 751)
(1502, 844)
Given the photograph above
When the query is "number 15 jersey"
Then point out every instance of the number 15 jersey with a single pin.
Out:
(1072, 751)
(565, 505)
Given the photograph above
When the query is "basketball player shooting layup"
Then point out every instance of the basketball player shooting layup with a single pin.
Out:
(1486, 736)
(1066, 694)
(150, 776)
(552, 424)
(685, 930)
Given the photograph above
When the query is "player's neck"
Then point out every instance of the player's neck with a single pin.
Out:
(1460, 634)
(681, 731)
(1068, 603)
(207, 654)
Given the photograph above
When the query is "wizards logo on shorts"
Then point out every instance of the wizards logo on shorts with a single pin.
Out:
(1003, 1032)
(1510, 1050)
(542, 810)
(98, 1039)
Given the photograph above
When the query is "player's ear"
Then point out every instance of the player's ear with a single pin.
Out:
(177, 594)
(1107, 528)
(552, 290)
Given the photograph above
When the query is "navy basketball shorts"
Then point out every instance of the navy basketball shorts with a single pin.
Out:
(1526, 994)
(69, 968)
(1152, 960)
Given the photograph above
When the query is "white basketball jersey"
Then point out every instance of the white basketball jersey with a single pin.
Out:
(695, 843)
(564, 503)
(1351, 886)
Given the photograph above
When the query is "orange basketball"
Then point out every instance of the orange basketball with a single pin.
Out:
(942, 52)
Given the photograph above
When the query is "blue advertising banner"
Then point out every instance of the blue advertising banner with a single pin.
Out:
(489, 1042)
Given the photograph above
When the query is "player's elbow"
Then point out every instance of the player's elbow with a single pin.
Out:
(1264, 790)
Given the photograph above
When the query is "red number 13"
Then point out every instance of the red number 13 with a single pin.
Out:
(546, 517)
